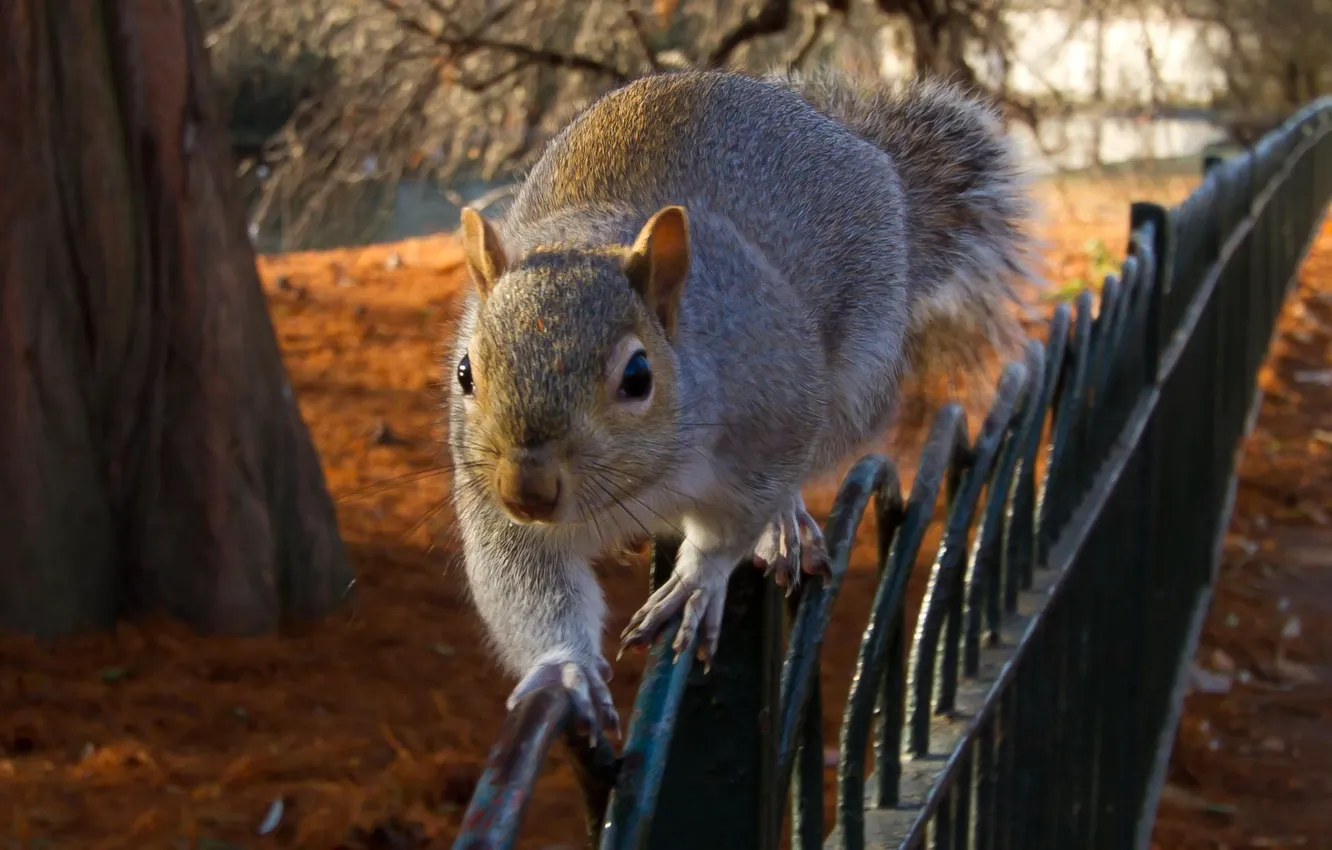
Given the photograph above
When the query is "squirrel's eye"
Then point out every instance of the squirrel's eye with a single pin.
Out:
(465, 374)
(636, 382)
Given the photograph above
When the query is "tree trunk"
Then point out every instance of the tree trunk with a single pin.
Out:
(152, 456)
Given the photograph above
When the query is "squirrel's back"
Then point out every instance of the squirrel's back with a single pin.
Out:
(968, 205)
(723, 138)
(896, 211)
(823, 206)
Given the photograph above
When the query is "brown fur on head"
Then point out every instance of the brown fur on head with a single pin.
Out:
(557, 423)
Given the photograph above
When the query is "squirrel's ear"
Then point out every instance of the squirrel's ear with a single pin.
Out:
(482, 249)
(658, 263)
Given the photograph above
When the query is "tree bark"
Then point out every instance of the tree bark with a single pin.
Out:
(152, 456)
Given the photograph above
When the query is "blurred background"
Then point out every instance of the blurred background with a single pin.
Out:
(358, 121)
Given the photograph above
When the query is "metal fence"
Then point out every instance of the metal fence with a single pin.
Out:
(1034, 706)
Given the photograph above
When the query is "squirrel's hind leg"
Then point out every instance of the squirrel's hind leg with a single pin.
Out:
(791, 544)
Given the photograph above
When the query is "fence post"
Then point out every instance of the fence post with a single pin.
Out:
(1148, 573)
(718, 791)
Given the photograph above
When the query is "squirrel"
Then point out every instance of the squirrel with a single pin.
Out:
(709, 288)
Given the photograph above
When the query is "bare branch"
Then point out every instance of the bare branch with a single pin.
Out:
(510, 73)
(468, 43)
(487, 20)
(640, 33)
(485, 83)
(822, 11)
(568, 61)
(772, 17)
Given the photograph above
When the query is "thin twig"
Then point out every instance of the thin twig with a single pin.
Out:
(822, 11)
(468, 43)
(772, 17)
(640, 33)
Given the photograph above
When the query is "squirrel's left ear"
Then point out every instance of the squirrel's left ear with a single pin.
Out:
(482, 251)
(658, 264)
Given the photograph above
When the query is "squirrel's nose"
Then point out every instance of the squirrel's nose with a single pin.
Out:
(528, 482)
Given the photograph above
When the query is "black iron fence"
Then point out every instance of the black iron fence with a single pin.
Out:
(1034, 705)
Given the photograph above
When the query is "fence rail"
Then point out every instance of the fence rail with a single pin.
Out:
(1035, 703)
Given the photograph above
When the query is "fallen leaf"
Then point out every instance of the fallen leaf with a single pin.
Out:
(1294, 670)
(1319, 377)
(1190, 800)
(1314, 512)
(272, 818)
(1208, 682)
(1291, 629)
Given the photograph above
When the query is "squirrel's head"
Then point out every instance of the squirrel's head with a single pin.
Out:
(567, 383)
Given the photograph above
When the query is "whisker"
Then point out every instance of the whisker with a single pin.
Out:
(376, 487)
(601, 535)
(630, 496)
(406, 535)
(601, 486)
(637, 482)
(681, 444)
(478, 447)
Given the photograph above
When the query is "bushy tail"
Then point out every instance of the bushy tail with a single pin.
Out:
(968, 212)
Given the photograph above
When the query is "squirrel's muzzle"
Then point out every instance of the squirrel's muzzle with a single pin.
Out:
(529, 483)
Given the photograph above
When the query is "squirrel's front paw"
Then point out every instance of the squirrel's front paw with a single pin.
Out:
(585, 680)
(702, 601)
(791, 544)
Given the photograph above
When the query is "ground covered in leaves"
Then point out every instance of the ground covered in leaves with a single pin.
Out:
(369, 730)
(1252, 764)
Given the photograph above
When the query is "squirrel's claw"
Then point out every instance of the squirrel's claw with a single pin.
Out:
(586, 684)
(790, 545)
(814, 559)
(700, 621)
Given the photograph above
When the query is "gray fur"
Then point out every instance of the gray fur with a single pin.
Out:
(968, 201)
(813, 273)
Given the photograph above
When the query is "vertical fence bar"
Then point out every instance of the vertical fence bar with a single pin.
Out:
(807, 782)
(1022, 549)
(987, 773)
(716, 791)
(1010, 771)
(1153, 530)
